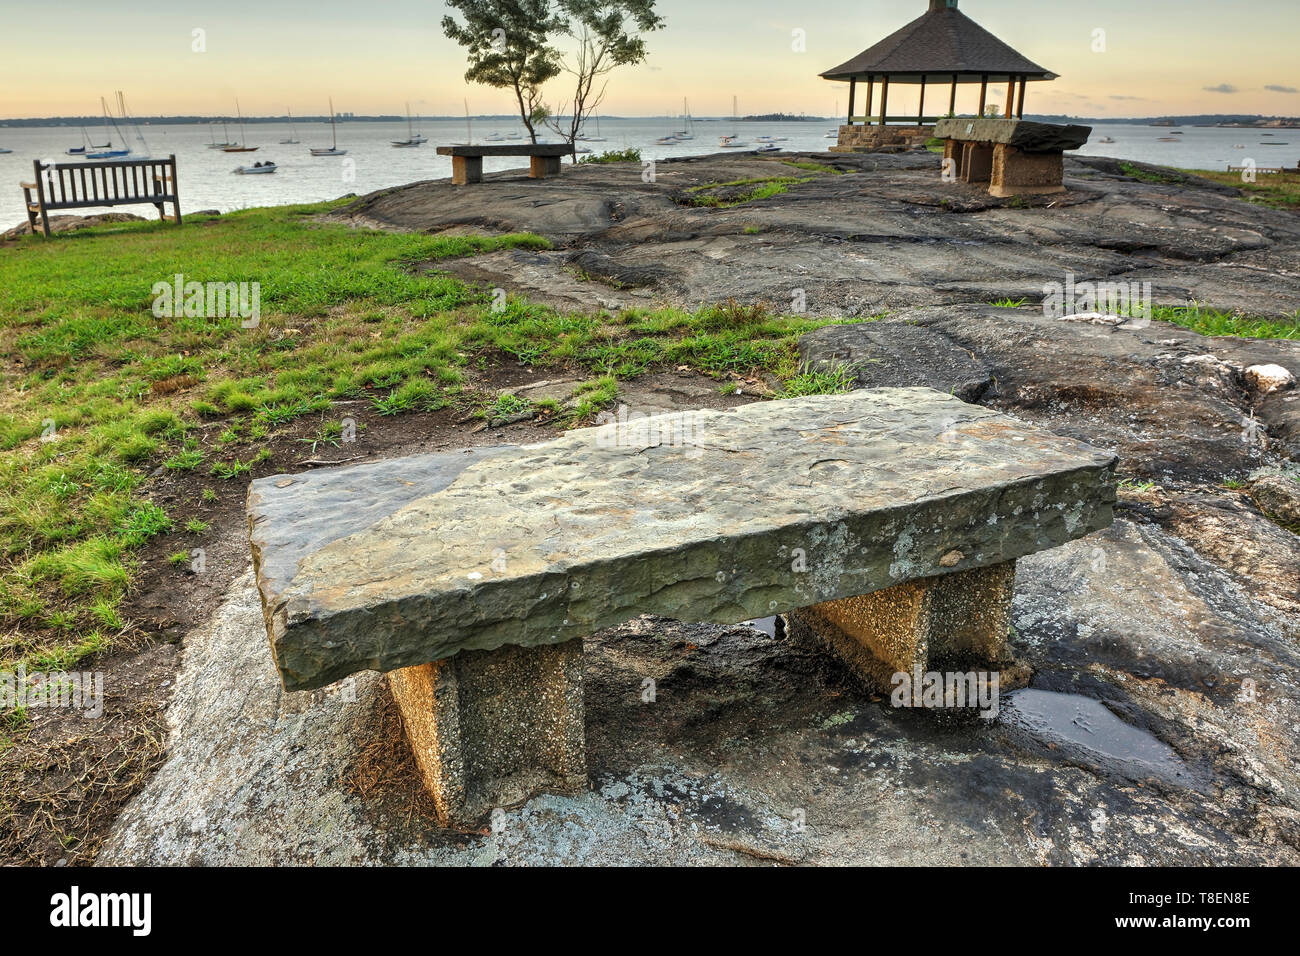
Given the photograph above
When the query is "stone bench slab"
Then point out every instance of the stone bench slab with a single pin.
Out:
(1023, 134)
(523, 149)
(717, 516)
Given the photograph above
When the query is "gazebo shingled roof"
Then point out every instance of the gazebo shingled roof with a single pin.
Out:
(942, 44)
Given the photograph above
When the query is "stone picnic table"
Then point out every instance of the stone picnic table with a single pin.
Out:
(467, 161)
(885, 522)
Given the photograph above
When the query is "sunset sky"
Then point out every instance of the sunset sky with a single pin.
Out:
(1162, 56)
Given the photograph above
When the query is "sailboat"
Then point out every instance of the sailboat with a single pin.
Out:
(108, 153)
(334, 149)
(290, 141)
(689, 132)
(469, 130)
(594, 139)
(86, 144)
(412, 138)
(733, 141)
(224, 131)
(242, 146)
(670, 140)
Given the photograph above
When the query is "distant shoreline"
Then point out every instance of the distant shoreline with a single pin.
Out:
(1213, 120)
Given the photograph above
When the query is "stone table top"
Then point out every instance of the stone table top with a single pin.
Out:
(720, 516)
(1023, 134)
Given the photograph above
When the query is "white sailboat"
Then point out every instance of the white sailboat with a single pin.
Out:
(688, 133)
(334, 138)
(594, 139)
(412, 138)
(242, 146)
(290, 141)
(733, 141)
(224, 132)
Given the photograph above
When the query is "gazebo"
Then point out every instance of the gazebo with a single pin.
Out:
(942, 47)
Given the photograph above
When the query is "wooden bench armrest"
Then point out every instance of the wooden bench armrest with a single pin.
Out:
(27, 185)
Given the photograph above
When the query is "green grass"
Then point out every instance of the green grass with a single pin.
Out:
(813, 167)
(935, 144)
(1281, 190)
(98, 392)
(1150, 175)
(1008, 303)
(1209, 321)
(712, 195)
(831, 381)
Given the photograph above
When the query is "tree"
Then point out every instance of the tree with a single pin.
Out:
(608, 34)
(506, 41)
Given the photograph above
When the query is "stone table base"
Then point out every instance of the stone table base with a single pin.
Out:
(952, 622)
(494, 728)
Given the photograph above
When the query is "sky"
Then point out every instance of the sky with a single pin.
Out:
(1157, 56)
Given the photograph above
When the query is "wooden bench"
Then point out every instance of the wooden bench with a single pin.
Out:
(88, 185)
(467, 161)
(887, 522)
(1254, 169)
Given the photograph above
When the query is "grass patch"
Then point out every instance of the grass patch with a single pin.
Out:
(1150, 175)
(1209, 321)
(813, 167)
(1280, 190)
(740, 191)
(935, 144)
(835, 380)
(1007, 303)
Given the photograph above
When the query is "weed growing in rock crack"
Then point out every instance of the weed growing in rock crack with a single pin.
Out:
(834, 380)
(1008, 303)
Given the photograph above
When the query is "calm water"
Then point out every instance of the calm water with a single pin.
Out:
(207, 180)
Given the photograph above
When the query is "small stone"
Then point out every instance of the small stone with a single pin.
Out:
(951, 559)
(1268, 379)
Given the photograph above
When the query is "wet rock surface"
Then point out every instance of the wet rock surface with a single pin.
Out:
(714, 743)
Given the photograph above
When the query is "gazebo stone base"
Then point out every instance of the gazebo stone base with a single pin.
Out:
(860, 138)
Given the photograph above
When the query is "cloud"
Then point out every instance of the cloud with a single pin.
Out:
(1118, 97)
(1221, 88)
(1275, 88)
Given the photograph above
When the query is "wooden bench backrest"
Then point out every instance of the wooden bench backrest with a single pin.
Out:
(108, 183)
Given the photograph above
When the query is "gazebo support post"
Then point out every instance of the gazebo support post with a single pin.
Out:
(952, 99)
(984, 92)
(853, 92)
(1020, 104)
(920, 115)
(1007, 112)
(871, 97)
(884, 101)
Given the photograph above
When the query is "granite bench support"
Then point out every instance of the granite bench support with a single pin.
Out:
(884, 523)
(467, 161)
(1015, 157)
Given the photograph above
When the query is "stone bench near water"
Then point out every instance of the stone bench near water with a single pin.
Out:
(885, 521)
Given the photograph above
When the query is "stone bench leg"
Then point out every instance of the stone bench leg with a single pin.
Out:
(952, 622)
(466, 170)
(976, 162)
(1017, 173)
(540, 167)
(494, 728)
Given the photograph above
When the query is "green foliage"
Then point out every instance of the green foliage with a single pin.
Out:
(629, 155)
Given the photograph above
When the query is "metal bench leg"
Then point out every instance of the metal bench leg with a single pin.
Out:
(494, 728)
(952, 622)
(466, 170)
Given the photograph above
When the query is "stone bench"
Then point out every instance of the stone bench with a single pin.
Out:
(467, 161)
(888, 520)
(1015, 157)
